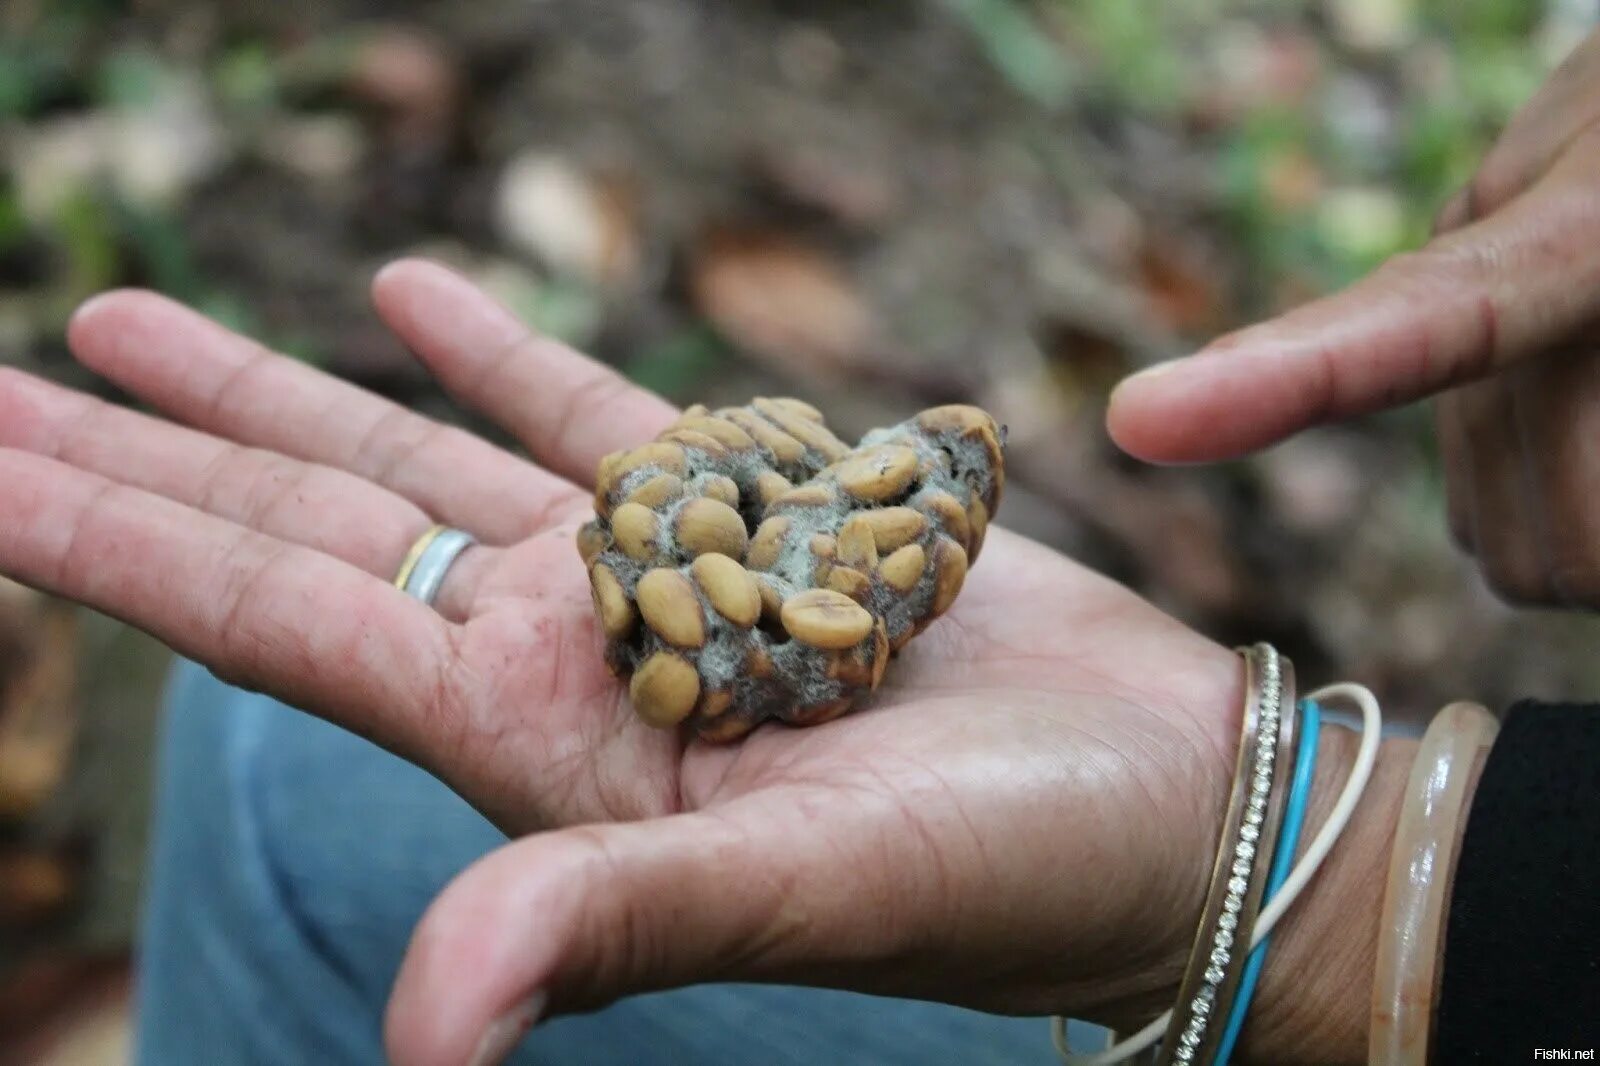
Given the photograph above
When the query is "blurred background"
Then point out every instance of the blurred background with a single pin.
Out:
(875, 206)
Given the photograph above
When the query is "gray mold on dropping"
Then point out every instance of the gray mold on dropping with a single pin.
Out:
(766, 673)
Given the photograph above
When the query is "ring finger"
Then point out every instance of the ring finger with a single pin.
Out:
(317, 506)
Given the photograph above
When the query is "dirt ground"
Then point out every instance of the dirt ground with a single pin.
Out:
(875, 206)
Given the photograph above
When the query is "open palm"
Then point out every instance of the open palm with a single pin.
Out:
(1053, 718)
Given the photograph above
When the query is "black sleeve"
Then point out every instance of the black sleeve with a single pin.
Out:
(1522, 942)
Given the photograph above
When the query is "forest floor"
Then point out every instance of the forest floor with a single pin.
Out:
(876, 206)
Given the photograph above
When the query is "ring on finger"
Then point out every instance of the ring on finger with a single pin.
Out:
(429, 561)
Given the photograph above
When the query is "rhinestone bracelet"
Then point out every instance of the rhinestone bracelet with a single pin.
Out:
(1250, 829)
(1305, 867)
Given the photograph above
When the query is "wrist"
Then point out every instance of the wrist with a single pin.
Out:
(1315, 997)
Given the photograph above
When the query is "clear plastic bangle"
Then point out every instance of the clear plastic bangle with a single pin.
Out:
(1419, 875)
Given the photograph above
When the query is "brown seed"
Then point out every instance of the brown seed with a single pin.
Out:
(771, 600)
(950, 563)
(893, 527)
(767, 542)
(664, 689)
(856, 545)
(721, 488)
(592, 540)
(610, 602)
(605, 481)
(757, 663)
(880, 653)
(770, 485)
(852, 583)
(729, 587)
(954, 417)
(715, 703)
(784, 449)
(690, 413)
(720, 430)
(851, 668)
(806, 496)
(707, 525)
(948, 510)
(824, 618)
(991, 446)
(823, 546)
(670, 608)
(699, 441)
(903, 569)
(813, 435)
(727, 728)
(635, 528)
(818, 713)
(799, 407)
(979, 515)
(664, 454)
(878, 473)
(663, 488)
(997, 465)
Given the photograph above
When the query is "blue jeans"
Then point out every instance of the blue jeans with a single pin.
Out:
(291, 861)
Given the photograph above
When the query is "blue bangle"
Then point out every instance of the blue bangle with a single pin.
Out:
(1294, 816)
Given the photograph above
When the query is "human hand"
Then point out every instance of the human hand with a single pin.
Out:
(1499, 314)
(1022, 821)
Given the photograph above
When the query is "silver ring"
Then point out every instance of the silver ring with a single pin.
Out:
(429, 560)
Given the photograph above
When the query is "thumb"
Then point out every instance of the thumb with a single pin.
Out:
(1467, 304)
(571, 920)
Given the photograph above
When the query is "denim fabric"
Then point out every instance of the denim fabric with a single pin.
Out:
(291, 861)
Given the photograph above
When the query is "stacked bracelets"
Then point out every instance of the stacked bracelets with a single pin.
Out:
(1238, 877)
(1219, 981)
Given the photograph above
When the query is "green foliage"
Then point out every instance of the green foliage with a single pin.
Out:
(676, 365)
(246, 78)
(1015, 43)
(130, 77)
(1446, 78)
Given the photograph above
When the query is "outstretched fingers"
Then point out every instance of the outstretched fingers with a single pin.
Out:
(262, 613)
(1472, 302)
(329, 510)
(566, 409)
(200, 373)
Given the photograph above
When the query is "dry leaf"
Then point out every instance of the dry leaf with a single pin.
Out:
(838, 185)
(38, 715)
(785, 302)
(35, 886)
(570, 221)
(412, 77)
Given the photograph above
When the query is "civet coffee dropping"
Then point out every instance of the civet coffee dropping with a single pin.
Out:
(748, 564)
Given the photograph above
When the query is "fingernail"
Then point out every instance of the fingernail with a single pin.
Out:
(506, 1032)
(86, 309)
(1150, 373)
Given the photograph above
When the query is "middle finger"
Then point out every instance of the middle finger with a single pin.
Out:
(200, 373)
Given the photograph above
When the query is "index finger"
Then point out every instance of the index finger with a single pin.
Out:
(1469, 303)
(566, 409)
